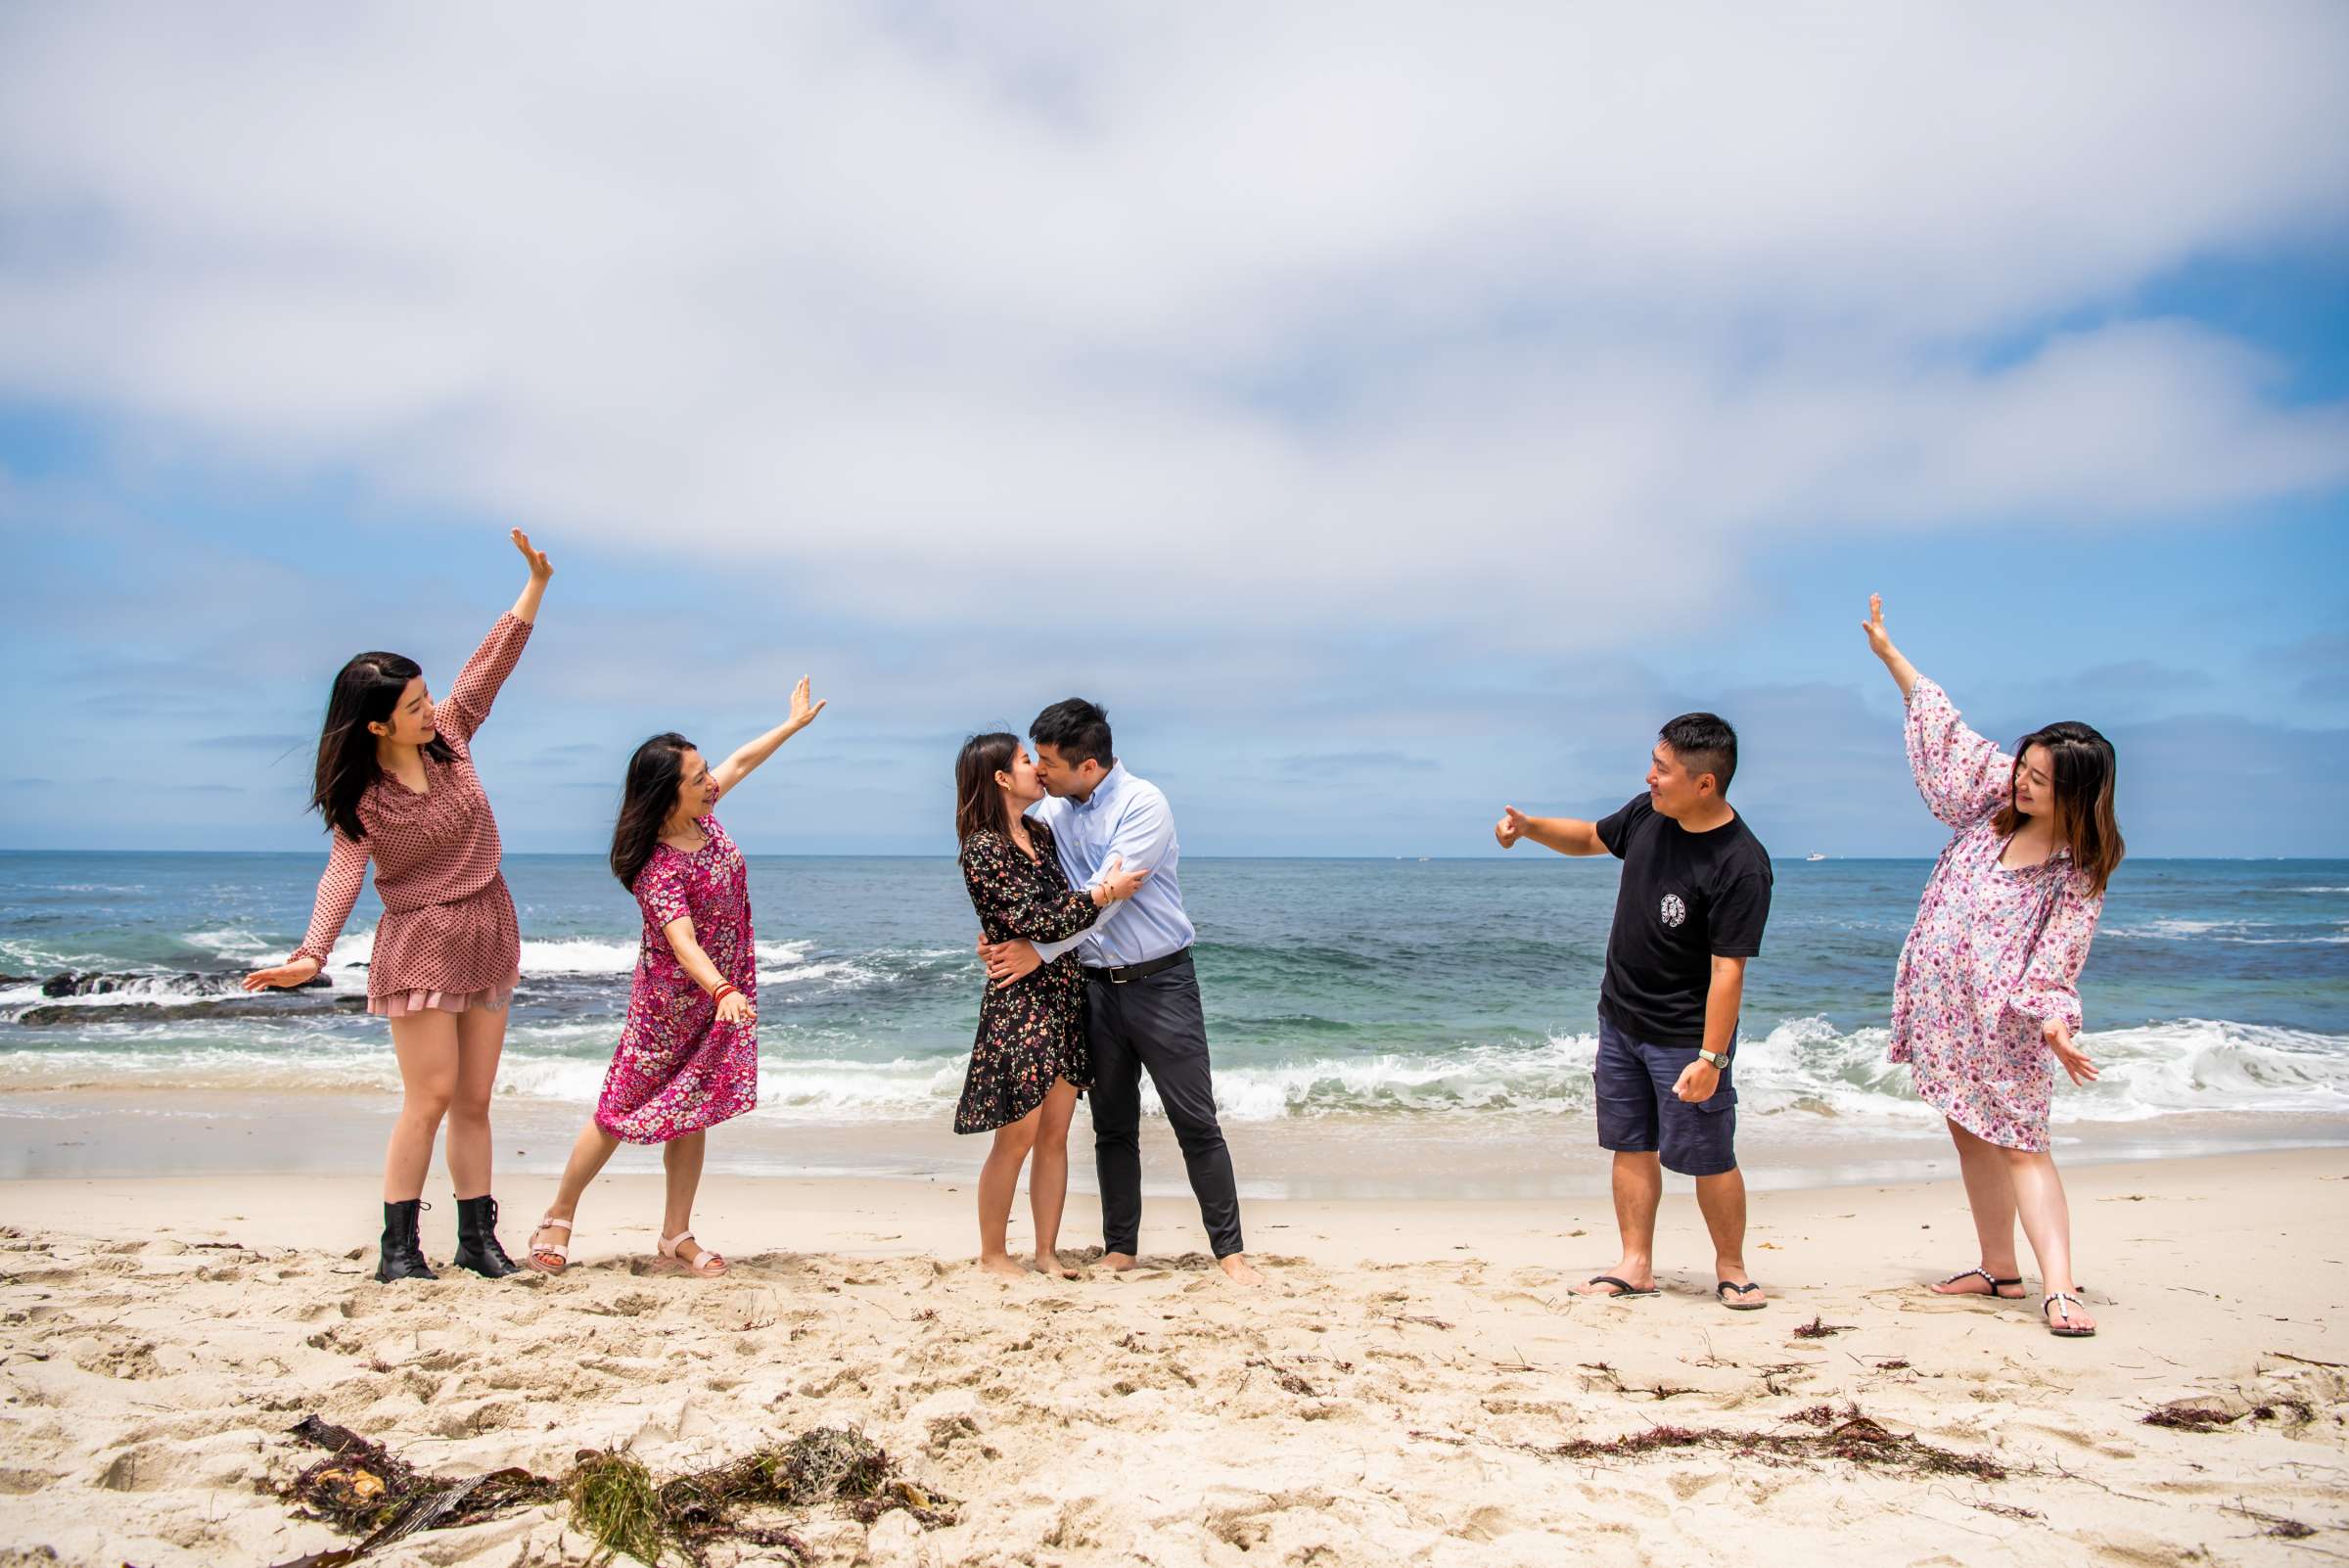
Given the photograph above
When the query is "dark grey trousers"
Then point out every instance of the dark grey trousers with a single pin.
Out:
(1155, 1024)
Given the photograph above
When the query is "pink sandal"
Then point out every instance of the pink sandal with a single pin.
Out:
(560, 1253)
(708, 1266)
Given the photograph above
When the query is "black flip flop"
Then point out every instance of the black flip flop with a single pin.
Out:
(1725, 1288)
(1623, 1287)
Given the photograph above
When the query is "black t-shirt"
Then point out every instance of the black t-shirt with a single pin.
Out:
(1684, 897)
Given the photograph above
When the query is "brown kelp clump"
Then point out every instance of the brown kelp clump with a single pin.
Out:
(365, 1490)
(362, 1489)
(614, 1499)
(1850, 1438)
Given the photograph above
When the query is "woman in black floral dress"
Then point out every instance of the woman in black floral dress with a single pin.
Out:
(1029, 1060)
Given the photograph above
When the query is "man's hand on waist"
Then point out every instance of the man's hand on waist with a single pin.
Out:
(1008, 961)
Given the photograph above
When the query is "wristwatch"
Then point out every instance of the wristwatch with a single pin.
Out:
(1713, 1059)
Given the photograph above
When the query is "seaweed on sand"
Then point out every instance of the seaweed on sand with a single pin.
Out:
(1853, 1439)
(365, 1490)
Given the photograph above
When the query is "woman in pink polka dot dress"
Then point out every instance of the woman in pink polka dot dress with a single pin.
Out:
(1986, 1002)
(396, 786)
(688, 1053)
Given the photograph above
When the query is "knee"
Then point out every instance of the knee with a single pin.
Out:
(1016, 1139)
(470, 1105)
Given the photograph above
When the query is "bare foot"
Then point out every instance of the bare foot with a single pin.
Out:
(1640, 1276)
(1117, 1262)
(1003, 1264)
(1048, 1264)
(1978, 1282)
(1241, 1270)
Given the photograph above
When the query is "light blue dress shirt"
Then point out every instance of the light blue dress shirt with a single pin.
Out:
(1130, 819)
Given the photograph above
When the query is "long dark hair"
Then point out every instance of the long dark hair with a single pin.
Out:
(2083, 768)
(366, 692)
(645, 802)
(978, 798)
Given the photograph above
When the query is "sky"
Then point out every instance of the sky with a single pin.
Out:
(1388, 413)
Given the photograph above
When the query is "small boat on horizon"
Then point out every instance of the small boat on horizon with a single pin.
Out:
(1815, 856)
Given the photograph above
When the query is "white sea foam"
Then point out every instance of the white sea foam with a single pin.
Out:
(1802, 1072)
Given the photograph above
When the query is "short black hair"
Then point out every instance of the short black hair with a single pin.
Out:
(1704, 743)
(1077, 729)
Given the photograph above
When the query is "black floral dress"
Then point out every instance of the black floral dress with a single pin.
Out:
(1032, 1031)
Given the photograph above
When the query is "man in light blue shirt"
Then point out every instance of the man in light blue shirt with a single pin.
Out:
(1142, 997)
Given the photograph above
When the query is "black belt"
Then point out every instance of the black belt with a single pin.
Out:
(1120, 974)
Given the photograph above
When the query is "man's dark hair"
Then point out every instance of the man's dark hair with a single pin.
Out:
(1704, 743)
(1077, 729)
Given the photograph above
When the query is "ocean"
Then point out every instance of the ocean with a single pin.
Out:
(1423, 1011)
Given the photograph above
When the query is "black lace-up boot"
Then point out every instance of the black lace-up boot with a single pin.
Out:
(476, 1239)
(402, 1253)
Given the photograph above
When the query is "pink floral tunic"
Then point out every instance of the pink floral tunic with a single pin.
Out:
(679, 1069)
(1995, 954)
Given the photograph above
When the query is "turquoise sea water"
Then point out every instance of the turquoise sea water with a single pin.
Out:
(1453, 995)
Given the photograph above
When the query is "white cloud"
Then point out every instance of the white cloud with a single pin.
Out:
(1281, 314)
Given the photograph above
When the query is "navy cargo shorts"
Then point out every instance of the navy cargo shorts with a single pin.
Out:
(1638, 1114)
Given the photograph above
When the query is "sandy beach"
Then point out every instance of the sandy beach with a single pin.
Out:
(1415, 1384)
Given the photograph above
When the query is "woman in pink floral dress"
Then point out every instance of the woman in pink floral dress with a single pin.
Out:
(396, 786)
(688, 1054)
(1987, 998)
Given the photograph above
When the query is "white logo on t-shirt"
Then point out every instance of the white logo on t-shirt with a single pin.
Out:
(1673, 911)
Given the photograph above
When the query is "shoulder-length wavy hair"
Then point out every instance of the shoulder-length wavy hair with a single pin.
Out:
(646, 799)
(365, 692)
(978, 798)
(2085, 769)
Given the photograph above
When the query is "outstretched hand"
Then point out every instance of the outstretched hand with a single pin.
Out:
(1511, 828)
(1880, 641)
(2069, 1056)
(803, 712)
(539, 570)
(301, 972)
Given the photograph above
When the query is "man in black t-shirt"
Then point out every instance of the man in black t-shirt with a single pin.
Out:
(1688, 913)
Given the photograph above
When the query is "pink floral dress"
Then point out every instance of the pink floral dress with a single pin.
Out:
(679, 1069)
(1995, 954)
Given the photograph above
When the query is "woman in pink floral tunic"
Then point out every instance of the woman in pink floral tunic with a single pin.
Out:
(688, 1053)
(1987, 998)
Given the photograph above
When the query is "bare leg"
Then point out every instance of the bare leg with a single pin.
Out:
(2048, 1222)
(681, 1158)
(481, 1041)
(588, 1153)
(426, 1044)
(1989, 1194)
(1639, 1189)
(1720, 1199)
(1048, 1176)
(999, 1183)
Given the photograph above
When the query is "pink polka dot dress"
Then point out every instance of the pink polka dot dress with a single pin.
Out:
(448, 939)
(1995, 954)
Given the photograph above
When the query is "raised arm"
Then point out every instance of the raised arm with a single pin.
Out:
(1880, 643)
(737, 767)
(467, 704)
(338, 892)
(1568, 835)
(1963, 776)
